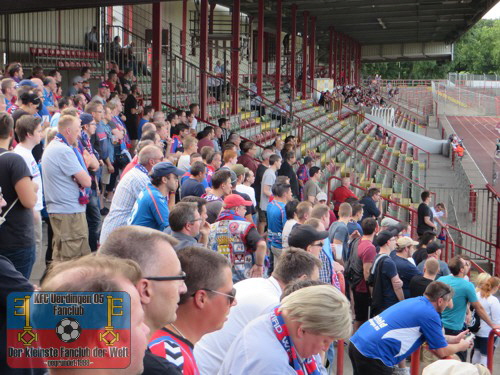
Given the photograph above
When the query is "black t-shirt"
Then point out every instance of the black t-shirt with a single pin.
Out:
(192, 187)
(18, 230)
(423, 211)
(287, 170)
(155, 365)
(418, 284)
(132, 120)
(387, 272)
(258, 181)
(420, 255)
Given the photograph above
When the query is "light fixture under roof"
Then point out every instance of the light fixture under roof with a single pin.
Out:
(381, 23)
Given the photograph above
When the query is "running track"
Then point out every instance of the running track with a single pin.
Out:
(479, 135)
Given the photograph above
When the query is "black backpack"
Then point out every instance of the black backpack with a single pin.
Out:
(353, 267)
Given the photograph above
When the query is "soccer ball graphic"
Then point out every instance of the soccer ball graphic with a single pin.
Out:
(68, 330)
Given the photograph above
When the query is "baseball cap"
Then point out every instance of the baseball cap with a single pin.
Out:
(403, 242)
(165, 168)
(321, 196)
(454, 367)
(103, 85)
(86, 118)
(239, 169)
(235, 200)
(78, 79)
(388, 222)
(27, 82)
(433, 247)
(304, 235)
(383, 237)
(308, 159)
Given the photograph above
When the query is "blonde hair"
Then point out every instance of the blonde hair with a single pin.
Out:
(70, 111)
(321, 310)
(51, 133)
(486, 288)
(189, 141)
(66, 121)
(481, 279)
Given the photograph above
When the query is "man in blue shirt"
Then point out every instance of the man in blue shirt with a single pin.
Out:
(454, 317)
(406, 269)
(389, 338)
(371, 202)
(194, 184)
(276, 217)
(151, 208)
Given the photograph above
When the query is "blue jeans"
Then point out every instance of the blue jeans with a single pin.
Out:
(93, 220)
(23, 259)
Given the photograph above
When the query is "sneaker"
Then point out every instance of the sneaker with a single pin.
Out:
(104, 211)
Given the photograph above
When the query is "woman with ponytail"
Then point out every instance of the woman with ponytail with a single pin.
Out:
(486, 296)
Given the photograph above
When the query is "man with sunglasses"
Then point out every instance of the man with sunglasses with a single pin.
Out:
(203, 309)
(389, 338)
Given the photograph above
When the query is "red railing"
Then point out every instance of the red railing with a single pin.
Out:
(491, 347)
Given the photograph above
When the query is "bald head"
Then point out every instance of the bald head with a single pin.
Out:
(149, 155)
(38, 82)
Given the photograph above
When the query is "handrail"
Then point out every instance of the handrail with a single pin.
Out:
(342, 105)
(491, 342)
(413, 113)
(338, 140)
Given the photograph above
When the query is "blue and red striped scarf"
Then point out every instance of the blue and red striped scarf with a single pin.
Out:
(281, 332)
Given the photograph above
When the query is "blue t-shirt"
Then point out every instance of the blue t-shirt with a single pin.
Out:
(352, 226)
(48, 98)
(150, 210)
(276, 219)
(192, 187)
(406, 271)
(388, 271)
(142, 121)
(398, 331)
(464, 292)
(370, 208)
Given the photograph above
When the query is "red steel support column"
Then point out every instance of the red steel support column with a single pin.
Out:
(210, 31)
(335, 57)
(304, 55)
(183, 38)
(260, 46)
(312, 49)
(293, 52)
(127, 23)
(330, 54)
(156, 79)
(277, 80)
(235, 58)
(203, 59)
(349, 60)
(266, 52)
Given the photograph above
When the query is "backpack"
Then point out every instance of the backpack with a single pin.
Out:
(353, 266)
(371, 278)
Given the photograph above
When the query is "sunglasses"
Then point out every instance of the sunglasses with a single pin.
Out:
(181, 276)
(230, 297)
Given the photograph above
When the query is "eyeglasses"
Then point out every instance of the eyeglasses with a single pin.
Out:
(230, 297)
(195, 220)
(181, 276)
(318, 244)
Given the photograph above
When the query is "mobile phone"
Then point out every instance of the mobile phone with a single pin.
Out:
(470, 336)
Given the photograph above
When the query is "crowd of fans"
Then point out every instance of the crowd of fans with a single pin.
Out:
(235, 259)
(369, 96)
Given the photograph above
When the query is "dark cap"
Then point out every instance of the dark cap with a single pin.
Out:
(304, 235)
(384, 236)
(308, 159)
(165, 168)
(86, 118)
(433, 247)
(103, 85)
(27, 82)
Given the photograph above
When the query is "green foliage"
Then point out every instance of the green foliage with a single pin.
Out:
(476, 52)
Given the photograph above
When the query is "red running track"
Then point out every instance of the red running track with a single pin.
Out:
(479, 135)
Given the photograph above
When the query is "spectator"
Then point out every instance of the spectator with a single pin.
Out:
(206, 138)
(421, 253)
(357, 214)
(286, 169)
(338, 233)
(244, 247)
(15, 71)
(230, 158)
(66, 179)
(153, 252)
(203, 309)
(132, 112)
(425, 217)
(419, 283)
(303, 171)
(76, 87)
(237, 176)
(102, 93)
(291, 220)
(49, 98)
(225, 126)
(278, 145)
(221, 186)
(91, 39)
(246, 183)
(276, 218)
(385, 281)
(406, 269)
(147, 116)
(187, 225)
(487, 299)
(214, 162)
(306, 237)
(193, 185)
(236, 140)
(194, 108)
(178, 139)
(371, 204)
(152, 206)
(387, 223)
(249, 150)
(311, 188)
(17, 236)
(268, 180)
(129, 189)
(454, 317)
(217, 136)
(127, 80)
(290, 338)
(8, 87)
(341, 193)
(434, 251)
(439, 213)
(370, 354)
(255, 296)
(257, 185)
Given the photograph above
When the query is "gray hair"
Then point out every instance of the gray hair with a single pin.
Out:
(148, 153)
(181, 214)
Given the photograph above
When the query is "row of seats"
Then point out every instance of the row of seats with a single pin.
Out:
(66, 53)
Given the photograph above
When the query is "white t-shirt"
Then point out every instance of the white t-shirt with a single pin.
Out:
(255, 296)
(184, 163)
(436, 214)
(256, 350)
(492, 307)
(287, 229)
(247, 190)
(35, 173)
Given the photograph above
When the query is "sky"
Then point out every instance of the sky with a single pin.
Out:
(494, 13)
